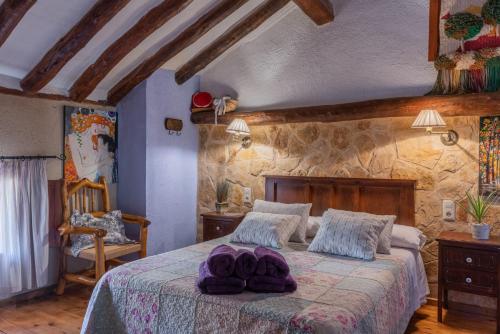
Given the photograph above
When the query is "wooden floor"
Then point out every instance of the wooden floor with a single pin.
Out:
(53, 314)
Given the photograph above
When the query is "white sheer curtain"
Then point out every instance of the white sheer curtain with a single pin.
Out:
(24, 238)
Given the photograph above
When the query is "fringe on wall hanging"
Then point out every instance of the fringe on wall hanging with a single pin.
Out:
(468, 72)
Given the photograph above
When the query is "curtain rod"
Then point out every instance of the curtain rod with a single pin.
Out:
(30, 157)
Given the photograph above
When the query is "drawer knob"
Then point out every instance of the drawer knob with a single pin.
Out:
(468, 280)
(217, 228)
(468, 259)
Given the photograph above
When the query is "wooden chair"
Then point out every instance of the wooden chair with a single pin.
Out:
(86, 196)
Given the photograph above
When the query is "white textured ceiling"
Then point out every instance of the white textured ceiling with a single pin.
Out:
(373, 49)
(49, 20)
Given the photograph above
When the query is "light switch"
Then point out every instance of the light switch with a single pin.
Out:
(448, 210)
(247, 195)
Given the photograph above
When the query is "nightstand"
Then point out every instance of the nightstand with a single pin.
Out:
(216, 225)
(468, 265)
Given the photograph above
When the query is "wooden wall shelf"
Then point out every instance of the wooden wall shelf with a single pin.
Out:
(480, 104)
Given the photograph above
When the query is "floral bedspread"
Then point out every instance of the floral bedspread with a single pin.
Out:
(335, 295)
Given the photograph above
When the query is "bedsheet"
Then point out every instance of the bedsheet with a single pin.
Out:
(335, 294)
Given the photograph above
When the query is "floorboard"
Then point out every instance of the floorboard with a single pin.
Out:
(63, 314)
(48, 315)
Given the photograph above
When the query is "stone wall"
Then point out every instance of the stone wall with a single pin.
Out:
(382, 148)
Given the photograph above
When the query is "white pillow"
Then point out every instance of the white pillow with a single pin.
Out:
(298, 209)
(384, 241)
(265, 229)
(407, 237)
(313, 224)
(346, 235)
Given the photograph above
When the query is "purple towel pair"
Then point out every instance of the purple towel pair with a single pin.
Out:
(270, 263)
(213, 285)
(272, 273)
(225, 261)
(271, 284)
(226, 270)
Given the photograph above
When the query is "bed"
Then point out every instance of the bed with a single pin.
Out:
(335, 294)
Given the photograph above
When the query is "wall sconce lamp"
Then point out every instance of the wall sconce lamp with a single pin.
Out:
(429, 119)
(239, 127)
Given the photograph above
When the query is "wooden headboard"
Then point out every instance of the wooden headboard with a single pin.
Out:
(377, 196)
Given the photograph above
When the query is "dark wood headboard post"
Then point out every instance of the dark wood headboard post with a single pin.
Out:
(378, 196)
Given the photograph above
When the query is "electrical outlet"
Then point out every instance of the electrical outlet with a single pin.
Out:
(448, 210)
(247, 195)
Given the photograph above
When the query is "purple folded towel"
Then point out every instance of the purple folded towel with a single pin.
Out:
(221, 261)
(270, 263)
(209, 284)
(246, 263)
(271, 284)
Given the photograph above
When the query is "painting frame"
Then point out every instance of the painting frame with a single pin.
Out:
(90, 144)
(489, 156)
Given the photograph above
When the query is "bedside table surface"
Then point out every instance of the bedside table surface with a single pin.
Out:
(462, 237)
(214, 214)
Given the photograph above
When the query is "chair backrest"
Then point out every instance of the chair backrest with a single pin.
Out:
(85, 196)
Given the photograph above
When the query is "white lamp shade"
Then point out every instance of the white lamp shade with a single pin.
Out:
(238, 127)
(428, 119)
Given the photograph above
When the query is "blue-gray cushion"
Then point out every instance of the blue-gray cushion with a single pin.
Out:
(299, 209)
(265, 229)
(346, 235)
(384, 241)
(111, 222)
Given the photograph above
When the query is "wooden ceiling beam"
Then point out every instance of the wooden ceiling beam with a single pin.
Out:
(11, 12)
(55, 97)
(320, 11)
(148, 24)
(69, 45)
(233, 35)
(480, 104)
(172, 48)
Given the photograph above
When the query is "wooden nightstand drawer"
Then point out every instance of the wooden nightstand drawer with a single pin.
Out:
(470, 280)
(217, 229)
(216, 225)
(467, 258)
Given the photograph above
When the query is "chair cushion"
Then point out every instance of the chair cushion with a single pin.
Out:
(111, 222)
(110, 251)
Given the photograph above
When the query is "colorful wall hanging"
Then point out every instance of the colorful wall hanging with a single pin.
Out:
(468, 72)
(90, 144)
(489, 155)
(469, 47)
(467, 25)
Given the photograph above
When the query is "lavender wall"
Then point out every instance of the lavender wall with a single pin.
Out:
(172, 165)
(131, 151)
(158, 172)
